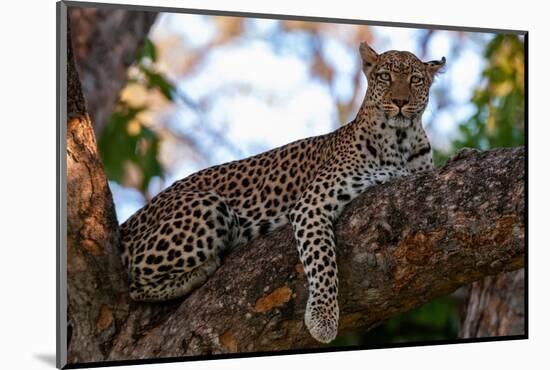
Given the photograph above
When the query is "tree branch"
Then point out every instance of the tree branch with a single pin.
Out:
(400, 245)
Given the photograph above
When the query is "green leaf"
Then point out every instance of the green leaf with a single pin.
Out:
(156, 80)
(119, 146)
(148, 50)
(500, 96)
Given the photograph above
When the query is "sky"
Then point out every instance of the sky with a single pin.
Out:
(261, 97)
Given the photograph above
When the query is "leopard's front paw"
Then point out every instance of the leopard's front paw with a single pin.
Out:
(322, 321)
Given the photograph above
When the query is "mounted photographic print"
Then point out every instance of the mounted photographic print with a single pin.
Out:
(235, 184)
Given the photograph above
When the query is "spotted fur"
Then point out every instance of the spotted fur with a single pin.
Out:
(175, 242)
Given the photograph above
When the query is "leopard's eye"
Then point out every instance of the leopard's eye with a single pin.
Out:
(385, 76)
(415, 79)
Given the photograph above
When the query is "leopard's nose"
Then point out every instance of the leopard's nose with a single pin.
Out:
(400, 102)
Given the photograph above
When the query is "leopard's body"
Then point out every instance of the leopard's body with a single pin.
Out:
(174, 243)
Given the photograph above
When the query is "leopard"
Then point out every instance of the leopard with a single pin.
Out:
(177, 240)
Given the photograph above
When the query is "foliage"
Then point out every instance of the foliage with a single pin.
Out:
(499, 117)
(437, 320)
(498, 120)
(128, 147)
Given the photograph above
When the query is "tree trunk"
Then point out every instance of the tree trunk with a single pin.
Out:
(105, 44)
(97, 302)
(95, 281)
(495, 306)
(400, 245)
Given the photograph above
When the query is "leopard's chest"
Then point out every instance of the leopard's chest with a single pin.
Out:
(395, 154)
(393, 159)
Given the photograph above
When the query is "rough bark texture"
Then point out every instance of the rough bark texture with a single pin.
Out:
(95, 281)
(400, 245)
(105, 45)
(495, 306)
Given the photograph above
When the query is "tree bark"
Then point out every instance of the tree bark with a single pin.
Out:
(400, 245)
(105, 44)
(495, 306)
(95, 281)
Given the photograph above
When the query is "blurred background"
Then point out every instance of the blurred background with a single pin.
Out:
(207, 90)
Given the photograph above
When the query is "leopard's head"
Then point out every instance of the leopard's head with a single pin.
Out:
(398, 84)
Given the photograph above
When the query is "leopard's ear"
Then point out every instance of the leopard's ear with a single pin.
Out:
(434, 66)
(369, 57)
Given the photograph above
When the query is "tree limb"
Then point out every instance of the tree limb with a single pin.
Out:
(400, 245)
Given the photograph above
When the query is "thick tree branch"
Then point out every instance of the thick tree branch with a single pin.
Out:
(400, 245)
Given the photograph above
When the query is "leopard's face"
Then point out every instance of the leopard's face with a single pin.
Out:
(398, 84)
